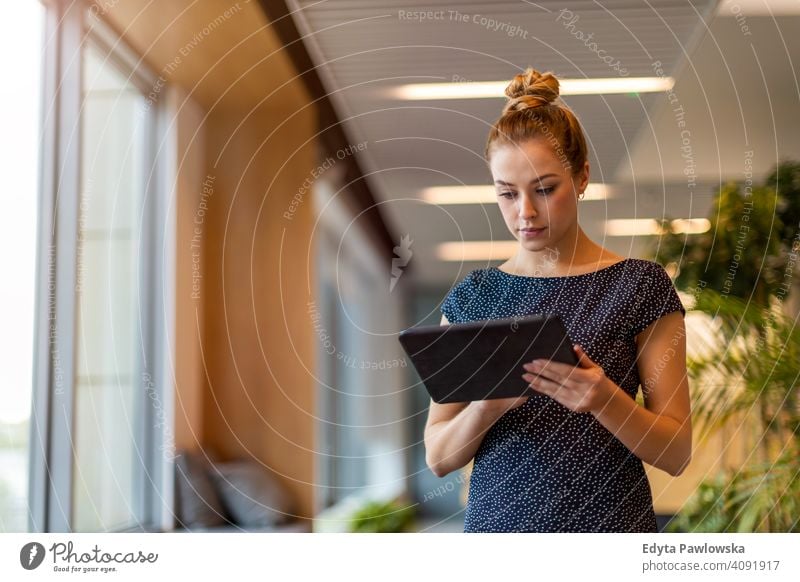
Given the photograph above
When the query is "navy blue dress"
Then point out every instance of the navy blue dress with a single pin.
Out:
(542, 467)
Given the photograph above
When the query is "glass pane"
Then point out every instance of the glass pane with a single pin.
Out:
(109, 472)
(107, 302)
(21, 43)
(104, 466)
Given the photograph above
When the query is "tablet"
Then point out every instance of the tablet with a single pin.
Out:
(483, 359)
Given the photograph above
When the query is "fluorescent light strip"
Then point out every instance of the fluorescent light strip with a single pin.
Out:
(740, 8)
(651, 226)
(495, 89)
(481, 250)
(487, 250)
(690, 225)
(488, 194)
(459, 195)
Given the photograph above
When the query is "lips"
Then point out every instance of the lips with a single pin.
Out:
(532, 229)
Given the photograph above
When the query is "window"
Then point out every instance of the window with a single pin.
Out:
(102, 327)
(114, 123)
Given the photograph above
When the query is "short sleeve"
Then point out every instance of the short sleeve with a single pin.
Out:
(448, 306)
(457, 299)
(656, 296)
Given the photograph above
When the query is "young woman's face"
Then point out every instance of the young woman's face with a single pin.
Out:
(535, 190)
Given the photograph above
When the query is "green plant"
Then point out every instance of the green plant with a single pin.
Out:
(383, 517)
(785, 180)
(740, 271)
(742, 254)
(758, 498)
(748, 369)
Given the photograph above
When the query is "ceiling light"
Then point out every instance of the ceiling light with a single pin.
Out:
(459, 195)
(480, 250)
(488, 194)
(495, 89)
(633, 227)
(739, 8)
(651, 226)
(596, 192)
(690, 225)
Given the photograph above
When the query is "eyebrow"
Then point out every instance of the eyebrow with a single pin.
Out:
(502, 183)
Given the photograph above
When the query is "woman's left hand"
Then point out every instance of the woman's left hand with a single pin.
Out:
(581, 388)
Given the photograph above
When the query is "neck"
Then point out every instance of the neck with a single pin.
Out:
(574, 248)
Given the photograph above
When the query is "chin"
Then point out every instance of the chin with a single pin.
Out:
(534, 243)
(538, 247)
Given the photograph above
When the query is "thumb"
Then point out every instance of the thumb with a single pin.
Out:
(584, 361)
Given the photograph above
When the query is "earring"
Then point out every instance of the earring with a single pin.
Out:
(581, 195)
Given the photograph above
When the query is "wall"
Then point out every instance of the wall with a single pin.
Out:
(243, 361)
(258, 346)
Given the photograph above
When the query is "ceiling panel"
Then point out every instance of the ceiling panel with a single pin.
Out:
(361, 48)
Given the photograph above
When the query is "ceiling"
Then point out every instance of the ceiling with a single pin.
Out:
(726, 81)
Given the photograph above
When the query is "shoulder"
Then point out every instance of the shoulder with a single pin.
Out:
(470, 281)
(459, 301)
(654, 294)
(646, 272)
(652, 272)
(646, 276)
(645, 265)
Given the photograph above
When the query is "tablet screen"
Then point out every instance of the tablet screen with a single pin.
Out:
(483, 359)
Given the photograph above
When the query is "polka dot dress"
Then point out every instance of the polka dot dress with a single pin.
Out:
(542, 467)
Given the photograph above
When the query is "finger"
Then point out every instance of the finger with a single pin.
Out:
(533, 385)
(584, 361)
(551, 369)
(542, 384)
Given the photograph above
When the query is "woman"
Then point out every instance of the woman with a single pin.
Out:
(569, 457)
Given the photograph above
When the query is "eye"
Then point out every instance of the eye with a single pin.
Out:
(506, 194)
(546, 191)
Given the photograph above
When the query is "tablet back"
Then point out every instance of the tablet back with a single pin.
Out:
(483, 359)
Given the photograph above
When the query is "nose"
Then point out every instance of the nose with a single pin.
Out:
(526, 207)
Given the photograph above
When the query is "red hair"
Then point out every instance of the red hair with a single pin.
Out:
(534, 110)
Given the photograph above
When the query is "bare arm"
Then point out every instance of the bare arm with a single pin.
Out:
(454, 431)
(661, 432)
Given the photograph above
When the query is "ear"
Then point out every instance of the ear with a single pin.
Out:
(584, 181)
(580, 179)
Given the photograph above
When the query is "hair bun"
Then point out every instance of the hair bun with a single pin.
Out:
(531, 89)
